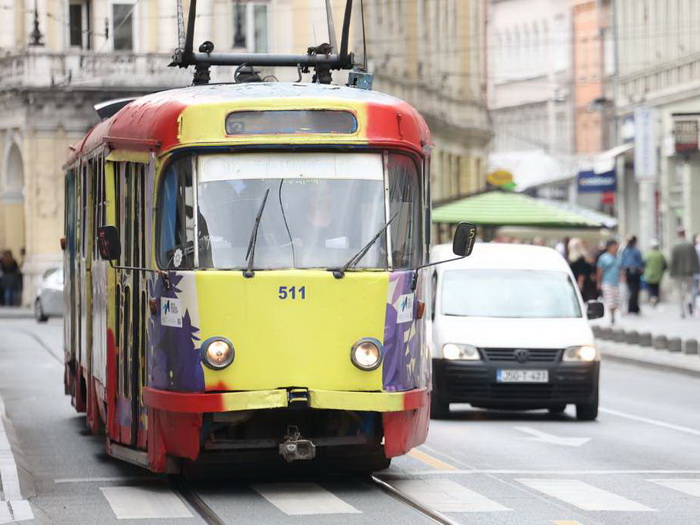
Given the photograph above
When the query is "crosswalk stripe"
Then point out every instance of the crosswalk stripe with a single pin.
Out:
(686, 486)
(445, 495)
(147, 502)
(583, 495)
(301, 499)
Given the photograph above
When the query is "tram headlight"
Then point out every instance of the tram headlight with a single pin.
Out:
(366, 354)
(217, 353)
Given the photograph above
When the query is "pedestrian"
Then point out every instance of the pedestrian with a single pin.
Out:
(608, 276)
(11, 279)
(632, 265)
(583, 269)
(685, 263)
(696, 282)
(654, 268)
(563, 248)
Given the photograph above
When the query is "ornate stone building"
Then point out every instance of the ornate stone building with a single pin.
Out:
(57, 61)
(433, 55)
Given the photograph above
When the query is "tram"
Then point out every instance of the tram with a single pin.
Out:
(242, 276)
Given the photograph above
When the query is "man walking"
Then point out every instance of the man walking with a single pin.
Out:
(684, 265)
(632, 268)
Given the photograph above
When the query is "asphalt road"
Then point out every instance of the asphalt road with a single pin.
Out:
(639, 463)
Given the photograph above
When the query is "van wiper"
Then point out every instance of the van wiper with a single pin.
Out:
(250, 254)
(359, 255)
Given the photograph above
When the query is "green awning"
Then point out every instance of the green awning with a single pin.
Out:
(500, 208)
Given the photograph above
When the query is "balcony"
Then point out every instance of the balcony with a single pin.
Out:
(41, 69)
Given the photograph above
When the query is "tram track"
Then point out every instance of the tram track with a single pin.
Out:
(206, 513)
(404, 498)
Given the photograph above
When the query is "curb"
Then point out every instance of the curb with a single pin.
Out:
(645, 339)
(651, 358)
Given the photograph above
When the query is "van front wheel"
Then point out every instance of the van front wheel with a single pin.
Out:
(438, 409)
(587, 411)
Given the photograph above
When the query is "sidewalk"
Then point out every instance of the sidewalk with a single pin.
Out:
(21, 312)
(658, 337)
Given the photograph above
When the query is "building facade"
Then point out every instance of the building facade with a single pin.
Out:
(61, 58)
(657, 99)
(433, 55)
(530, 95)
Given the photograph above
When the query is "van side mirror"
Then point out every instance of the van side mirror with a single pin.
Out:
(464, 239)
(108, 243)
(596, 310)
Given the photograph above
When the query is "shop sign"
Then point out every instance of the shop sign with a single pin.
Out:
(591, 182)
(685, 134)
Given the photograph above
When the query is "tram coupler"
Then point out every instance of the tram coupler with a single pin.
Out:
(295, 447)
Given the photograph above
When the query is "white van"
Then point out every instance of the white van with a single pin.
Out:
(508, 330)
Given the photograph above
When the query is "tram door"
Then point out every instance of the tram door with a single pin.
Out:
(131, 293)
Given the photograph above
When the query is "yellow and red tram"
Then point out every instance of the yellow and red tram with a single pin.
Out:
(263, 298)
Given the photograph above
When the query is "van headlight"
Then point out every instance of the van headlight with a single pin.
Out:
(366, 354)
(459, 351)
(581, 354)
(217, 353)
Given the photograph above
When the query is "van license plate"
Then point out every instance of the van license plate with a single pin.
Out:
(522, 376)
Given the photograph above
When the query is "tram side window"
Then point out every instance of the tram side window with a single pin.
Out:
(405, 203)
(176, 216)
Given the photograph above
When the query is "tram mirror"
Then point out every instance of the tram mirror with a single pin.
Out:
(108, 243)
(463, 242)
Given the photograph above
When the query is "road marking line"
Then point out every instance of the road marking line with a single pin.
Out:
(583, 495)
(662, 424)
(686, 486)
(404, 473)
(148, 502)
(120, 479)
(303, 499)
(551, 439)
(9, 477)
(5, 514)
(447, 496)
(566, 522)
(430, 460)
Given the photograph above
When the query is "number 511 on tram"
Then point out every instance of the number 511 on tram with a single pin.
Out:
(243, 283)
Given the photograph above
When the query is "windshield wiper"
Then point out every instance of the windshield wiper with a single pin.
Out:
(363, 251)
(250, 254)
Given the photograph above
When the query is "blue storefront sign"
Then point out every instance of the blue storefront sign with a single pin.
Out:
(591, 182)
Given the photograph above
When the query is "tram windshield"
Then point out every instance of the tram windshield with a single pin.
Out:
(321, 209)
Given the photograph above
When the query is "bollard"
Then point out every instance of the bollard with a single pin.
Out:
(691, 346)
(645, 339)
(604, 333)
(660, 342)
(675, 344)
(618, 336)
(632, 337)
(597, 330)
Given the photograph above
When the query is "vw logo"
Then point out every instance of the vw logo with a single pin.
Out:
(521, 355)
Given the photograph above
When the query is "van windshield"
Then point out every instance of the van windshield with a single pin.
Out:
(509, 293)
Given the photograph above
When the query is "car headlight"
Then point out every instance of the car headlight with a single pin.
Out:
(217, 353)
(581, 354)
(458, 351)
(366, 354)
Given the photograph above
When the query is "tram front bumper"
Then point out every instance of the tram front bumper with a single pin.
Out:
(199, 403)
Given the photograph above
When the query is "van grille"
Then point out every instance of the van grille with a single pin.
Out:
(537, 355)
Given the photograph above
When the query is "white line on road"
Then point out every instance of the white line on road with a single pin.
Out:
(551, 439)
(686, 486)
(641, 419)
(303, 499)
(583, 495)
(408, 473)
(119, 479)
(447, 496)
(145, 502)
(9, 477)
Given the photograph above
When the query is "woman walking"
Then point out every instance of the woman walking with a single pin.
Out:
(654, 268)
(608, 274)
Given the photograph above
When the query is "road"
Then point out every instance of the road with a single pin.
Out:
(639, 463)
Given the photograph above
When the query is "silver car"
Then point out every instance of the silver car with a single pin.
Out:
(49, 295)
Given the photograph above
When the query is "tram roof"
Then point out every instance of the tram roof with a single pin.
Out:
(190, 116)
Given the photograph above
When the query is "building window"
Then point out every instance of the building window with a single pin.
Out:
(123, 26)
(75, 24)
(250, 26)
